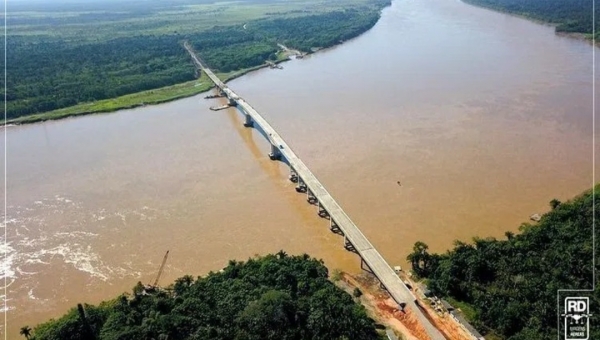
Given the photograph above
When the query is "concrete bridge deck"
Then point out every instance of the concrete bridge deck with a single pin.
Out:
(315, 190)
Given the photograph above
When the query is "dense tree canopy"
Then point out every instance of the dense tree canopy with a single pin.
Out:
(44, 76)
(274, 297)
(570, 15)
(513, 284)
(323, 30)
(230, 48)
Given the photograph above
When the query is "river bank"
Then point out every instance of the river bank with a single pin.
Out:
(157, 96)
(94, 202)
(130, 80)
(587, 37)
(151, 97)
(139, 99)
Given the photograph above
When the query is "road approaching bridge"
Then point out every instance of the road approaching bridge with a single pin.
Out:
(354, 240)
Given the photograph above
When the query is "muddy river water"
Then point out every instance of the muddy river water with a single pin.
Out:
(482, 117)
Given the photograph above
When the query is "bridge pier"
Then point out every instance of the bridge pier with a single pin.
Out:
(311, 198)
(303, 176)
(293, 175)
(249, 122)
(301, 187)
(231, 102)
(322, 212)
(275, 154)
(334, 227)
(364, 266)
(349, 246)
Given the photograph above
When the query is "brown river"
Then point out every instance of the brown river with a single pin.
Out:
(482, 117)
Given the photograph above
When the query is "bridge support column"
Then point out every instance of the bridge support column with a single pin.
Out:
(322, 212)
(301, 187)
(249, 122)
(364, 266)
(348, 245)
(334, 227)
(401, 306)
(275, 154)
(311, 198)
(293, 175)
(231, 102)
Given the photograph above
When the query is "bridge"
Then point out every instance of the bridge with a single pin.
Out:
(316, 194)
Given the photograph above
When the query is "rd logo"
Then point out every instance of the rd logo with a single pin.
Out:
(577, 321)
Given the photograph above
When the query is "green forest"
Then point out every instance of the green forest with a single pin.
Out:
(574, 16)
(227, 49)
(44, 76)
(49, 71)
(275, 297)
(511, 285)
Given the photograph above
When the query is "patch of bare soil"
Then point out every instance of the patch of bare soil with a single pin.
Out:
(384, 310)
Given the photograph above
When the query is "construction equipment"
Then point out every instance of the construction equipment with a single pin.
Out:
(162, 266)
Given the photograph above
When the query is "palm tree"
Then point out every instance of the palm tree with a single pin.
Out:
(281, 254)
(26, 332)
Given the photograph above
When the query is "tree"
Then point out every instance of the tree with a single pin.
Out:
(270, 316)
(25, 331)
(510, 285)
(182, 284)
(420, 259)
(138, 289)
(277, 296)
(87, 329)
(282, 254)
(554, 203)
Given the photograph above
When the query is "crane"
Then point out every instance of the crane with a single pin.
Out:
(162, 266)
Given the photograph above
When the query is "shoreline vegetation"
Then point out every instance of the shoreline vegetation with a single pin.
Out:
(573, 20)
(508, 287)
(250, 41)
(505, 288)
(95, 73)
(276, 296)
(135, 100)
(140, 99)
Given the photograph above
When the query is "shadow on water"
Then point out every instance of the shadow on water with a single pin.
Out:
(273, 169)
(270, 167)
